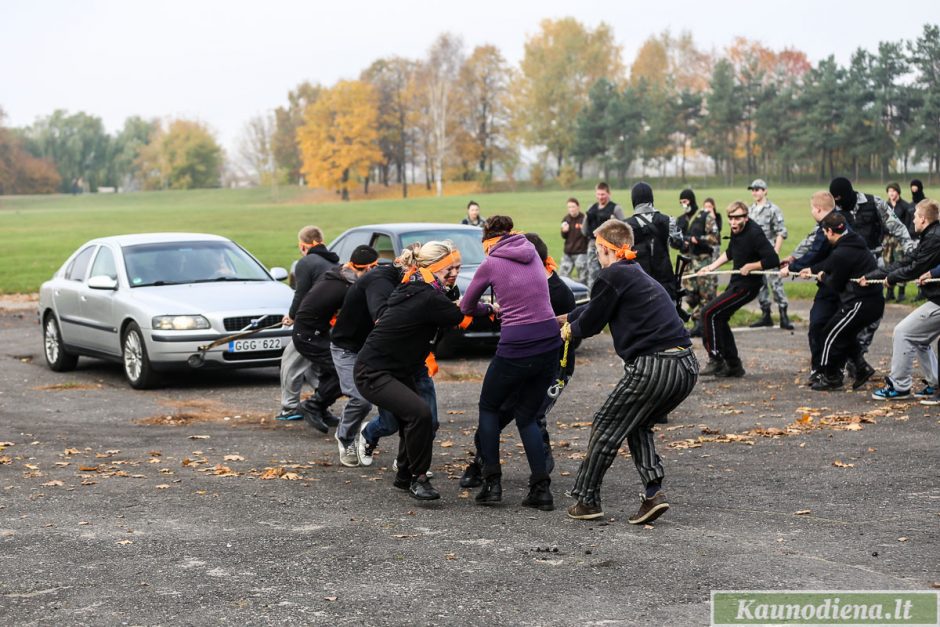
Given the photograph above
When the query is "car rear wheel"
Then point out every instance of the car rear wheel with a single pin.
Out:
(137, 367)
(57, 357)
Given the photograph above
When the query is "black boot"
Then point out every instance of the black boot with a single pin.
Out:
(765, 320)
(696, 328)
(492, 491)
(785, 319)
(733, 369)
(863, 371)
(828, 382)
(540, 496)
(889, 293)
(900, 292)
(713, 367)
(313, 415)
(472, 476)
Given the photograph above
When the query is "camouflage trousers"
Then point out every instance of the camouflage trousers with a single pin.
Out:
(774, 283)
(578, 263)
(701, 290)
(891, 250)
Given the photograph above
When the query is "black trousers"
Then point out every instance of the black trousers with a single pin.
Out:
(399, 396)
(840, 335)
(316, 348)
(825, 305)
(716, 329)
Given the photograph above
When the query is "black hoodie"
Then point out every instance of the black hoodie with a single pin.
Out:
(322, 302)
(849, 259)
(402, 337)
(748, 246)
(317, 261)
(365, 301)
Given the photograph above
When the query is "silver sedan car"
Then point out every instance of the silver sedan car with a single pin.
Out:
(154, 301)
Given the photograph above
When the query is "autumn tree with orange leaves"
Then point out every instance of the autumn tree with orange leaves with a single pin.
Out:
(339, 137)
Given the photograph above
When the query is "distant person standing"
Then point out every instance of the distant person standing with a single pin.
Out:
(917, 192)
(892, 250)
(653, 234)
(599, 213)
(704, 245)
(576, 243)
(769, 218)
(473, 215)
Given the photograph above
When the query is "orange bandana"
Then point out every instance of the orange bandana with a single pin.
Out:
(622, 252)
(367, 266)
(550, 265)
(489, 243)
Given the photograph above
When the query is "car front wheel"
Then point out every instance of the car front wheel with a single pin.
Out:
(57, 358)
(137, 367)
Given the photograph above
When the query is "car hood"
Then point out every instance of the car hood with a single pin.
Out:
(208, 298)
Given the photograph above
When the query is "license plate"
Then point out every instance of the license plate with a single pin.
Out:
(255, 344)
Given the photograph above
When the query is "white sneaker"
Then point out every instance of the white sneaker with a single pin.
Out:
(395, 468)
(347, 454)
(362, 447)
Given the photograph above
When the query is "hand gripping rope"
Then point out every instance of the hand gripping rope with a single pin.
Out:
(555, 390)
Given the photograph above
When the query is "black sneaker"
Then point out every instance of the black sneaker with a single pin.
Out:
(650, 509)
(313, 417)
(863, 372)
(713, 367)
(330, 419)
(540, 497)
(826, 383)
(813, 378)
(402, 482)
(472, 476)
(732, 370)
(492, 491)
(422, 489)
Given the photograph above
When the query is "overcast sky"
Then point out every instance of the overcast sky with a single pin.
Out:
(225, 61)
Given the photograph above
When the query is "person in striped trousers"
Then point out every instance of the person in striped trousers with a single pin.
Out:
(660, 371)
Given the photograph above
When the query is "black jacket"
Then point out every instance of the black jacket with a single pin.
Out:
(401, 339)
(696, 229)
(748, 246)
(923, 259)
(905, 213)
(651, 243)
(849, 259)
(641, 315)
(322, 302)
(597, 216)
(364, 303)
(560, 294)
(317, 261)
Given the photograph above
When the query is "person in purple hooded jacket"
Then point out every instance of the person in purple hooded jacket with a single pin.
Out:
(526, 358)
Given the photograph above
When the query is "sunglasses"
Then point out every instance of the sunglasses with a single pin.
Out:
(737, 216)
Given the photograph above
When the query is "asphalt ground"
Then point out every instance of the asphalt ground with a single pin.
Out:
(190, 505)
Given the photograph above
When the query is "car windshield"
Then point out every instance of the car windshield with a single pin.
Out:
(173, 263)
(468, 243)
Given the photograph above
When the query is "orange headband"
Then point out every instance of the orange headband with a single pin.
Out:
(428, 273)
(363, 266)
(622, 252)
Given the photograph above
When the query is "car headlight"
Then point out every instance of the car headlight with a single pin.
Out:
(180, 323)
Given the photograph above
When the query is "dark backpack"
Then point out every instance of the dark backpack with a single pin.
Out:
(651, 243)
(866, 222)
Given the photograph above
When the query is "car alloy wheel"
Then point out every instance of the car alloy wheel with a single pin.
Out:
(137, 366)
(57, 358)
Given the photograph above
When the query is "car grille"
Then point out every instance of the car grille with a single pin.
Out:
(253, 355)
(240, 322)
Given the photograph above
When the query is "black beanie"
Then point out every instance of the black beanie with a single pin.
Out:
(688, 194)
(641, 193)
(841, 190)
(917, 196)
(895, 186)
(363, 255)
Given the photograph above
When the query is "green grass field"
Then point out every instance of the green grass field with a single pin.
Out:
(37, 233)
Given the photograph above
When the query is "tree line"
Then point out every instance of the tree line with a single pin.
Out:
(570, 104)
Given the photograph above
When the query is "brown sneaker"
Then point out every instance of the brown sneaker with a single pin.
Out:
(581, 511)
(650, 509)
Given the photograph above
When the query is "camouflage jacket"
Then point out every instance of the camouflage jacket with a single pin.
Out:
(769, 218)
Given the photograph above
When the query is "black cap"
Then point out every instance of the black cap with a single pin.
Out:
(363, 255)
(641, 193)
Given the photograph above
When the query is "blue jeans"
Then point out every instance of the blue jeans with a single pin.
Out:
(525, 380)
(386, 423)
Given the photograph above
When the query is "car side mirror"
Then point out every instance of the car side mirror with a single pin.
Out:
(102, 282)
(278, 273)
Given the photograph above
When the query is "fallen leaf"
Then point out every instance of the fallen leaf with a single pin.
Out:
(329, 598)
(163, 486)
(802, 512)
(840, 464)
(450, 556)
(53, 484)
(902, 539)
(648, 527)
(401, 536)
(123, 542)
(233, 458)
(32, 466)
(290, 476)
(447, 444)
(88, 468)
(198, 437)
(71, 451)
(455, 412)
(83, 523)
